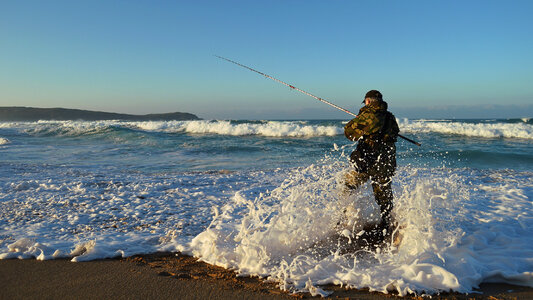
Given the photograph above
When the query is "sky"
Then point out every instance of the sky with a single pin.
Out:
(430, 59)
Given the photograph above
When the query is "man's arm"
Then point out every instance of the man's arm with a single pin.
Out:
(366, 123)
(351, 130)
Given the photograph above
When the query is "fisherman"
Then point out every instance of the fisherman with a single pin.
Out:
(374, 158)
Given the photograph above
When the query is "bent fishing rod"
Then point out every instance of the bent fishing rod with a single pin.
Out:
(306, 93)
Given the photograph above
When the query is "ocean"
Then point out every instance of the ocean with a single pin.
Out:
(259, 197)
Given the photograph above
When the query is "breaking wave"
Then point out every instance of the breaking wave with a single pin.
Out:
(494, 129)
(263, 128)
(512, 128)
(220, 127)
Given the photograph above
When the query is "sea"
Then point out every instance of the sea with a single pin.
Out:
(264, 197)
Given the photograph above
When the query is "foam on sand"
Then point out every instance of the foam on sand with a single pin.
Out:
(462, 227)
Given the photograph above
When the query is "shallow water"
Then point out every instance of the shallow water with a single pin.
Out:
(256, 196)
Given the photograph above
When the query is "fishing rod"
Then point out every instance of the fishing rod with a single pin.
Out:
(306, 93)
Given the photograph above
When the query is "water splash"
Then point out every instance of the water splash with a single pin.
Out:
(280, 234)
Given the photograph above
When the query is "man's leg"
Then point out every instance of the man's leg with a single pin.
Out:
(353, 180)
(384, 198)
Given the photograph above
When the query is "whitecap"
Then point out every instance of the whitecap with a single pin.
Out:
(223, 127)
(486, 130)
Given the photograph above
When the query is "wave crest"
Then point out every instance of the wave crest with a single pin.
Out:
(220, 127)
(486, 130)
(264, 128)
(474, 128)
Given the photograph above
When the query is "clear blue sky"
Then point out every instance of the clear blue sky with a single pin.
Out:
(429, 58)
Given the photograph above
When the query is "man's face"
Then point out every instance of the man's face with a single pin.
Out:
(367, 101)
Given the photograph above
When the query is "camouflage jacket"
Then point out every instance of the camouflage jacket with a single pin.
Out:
(374, 124)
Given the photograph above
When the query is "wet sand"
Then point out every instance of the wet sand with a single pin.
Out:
(172, 276)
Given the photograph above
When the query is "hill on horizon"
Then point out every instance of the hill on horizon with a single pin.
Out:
(20, 113)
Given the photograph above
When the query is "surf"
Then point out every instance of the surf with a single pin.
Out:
(473, 128)
(280, 234)
(267, 205)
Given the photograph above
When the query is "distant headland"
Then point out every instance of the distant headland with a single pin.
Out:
(63, 114)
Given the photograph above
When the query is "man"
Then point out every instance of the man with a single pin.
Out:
(374, 158)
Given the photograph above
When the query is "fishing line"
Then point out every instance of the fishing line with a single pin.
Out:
(306, 93)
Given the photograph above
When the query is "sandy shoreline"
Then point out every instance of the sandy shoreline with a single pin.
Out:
(171, 276)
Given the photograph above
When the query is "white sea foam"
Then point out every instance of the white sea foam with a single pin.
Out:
(4, 141)
(84, 216)
(487, 130)
(454, 237)
(461, 226)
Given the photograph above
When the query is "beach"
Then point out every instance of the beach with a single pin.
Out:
(174, 276)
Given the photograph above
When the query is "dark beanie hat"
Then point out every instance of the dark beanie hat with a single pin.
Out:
(375, 94)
